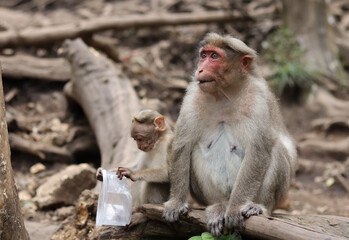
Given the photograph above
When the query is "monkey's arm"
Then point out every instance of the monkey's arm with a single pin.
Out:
(251, 176)
(179, 180)
(185, 138)
(157, 175)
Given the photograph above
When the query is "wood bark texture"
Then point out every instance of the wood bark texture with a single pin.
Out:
(41, 36)
(44, 151)
(25, 66)
(280, 227)
(108, 100)
(11, 221)
(308, 19)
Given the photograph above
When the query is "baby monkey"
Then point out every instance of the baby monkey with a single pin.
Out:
(153, 136)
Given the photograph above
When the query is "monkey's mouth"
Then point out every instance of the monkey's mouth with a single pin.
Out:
(205, 81)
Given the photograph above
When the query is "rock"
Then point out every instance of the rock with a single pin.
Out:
(36, 168)
(82, 224)
(64, 212)
(32, 186)
(42, 231)
(24, 196)
(64, 187)
(29, 207)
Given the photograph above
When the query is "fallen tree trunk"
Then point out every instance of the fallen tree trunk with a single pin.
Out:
(40, 36)
(108, 100)
(42, 150)
(11, 220)
(23, 66)
(279, 226)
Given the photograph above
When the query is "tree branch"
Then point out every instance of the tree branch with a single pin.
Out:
(41, 36)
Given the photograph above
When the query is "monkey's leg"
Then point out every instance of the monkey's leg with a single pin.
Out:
(277, 180)
(136, 218)
(215, 218)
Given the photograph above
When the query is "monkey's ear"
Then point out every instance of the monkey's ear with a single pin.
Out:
(160, 124)
(246, 63)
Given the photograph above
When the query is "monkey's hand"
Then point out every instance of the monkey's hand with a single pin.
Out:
(99, 175)
(127, 173)
(215, 218)
(173, 208)
(235, 219)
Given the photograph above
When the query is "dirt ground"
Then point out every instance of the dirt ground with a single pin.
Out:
(159, 64)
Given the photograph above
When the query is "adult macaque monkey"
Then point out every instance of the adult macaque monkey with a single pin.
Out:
(231, 148)
(153, 135)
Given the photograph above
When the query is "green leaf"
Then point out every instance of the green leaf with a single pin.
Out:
(230, 237)
(195, 238)
(207, 236)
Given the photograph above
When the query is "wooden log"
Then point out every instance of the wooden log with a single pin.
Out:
(42, 150)
(11, 220)
(24, 66)
(41, 36)
(279, 226)
(104, 44)
(108, 100)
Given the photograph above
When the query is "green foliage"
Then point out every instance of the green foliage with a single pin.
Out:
(290, 76)
(195, 238)
(208, 236)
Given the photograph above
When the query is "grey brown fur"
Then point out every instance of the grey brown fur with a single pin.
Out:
(152, 167)
(254, 174)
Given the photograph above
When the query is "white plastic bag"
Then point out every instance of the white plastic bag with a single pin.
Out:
(114, 201)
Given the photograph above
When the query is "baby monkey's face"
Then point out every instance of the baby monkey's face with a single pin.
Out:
(145, 135)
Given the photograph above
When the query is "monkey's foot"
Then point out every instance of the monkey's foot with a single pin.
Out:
(252, 209)
(236, 220)
(215, 218)
(136, 218)
(173, 209)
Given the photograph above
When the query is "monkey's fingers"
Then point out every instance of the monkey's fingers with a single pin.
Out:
(121, 175)
(99, 175)
(173, 210)
(234, 222)
(215, 218)
(123, 172)
(119, 172)
(171, 215)
(215, 226)
(252, 210)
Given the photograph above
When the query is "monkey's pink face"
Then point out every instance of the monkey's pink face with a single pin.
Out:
(145, 135)
(210, 68)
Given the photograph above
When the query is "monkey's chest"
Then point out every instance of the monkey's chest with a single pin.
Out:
(216, 162)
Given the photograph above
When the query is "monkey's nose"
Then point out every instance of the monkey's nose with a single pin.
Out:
(201, 70)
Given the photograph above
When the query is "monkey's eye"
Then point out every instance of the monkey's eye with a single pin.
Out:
(203, 55)
(214, 55)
